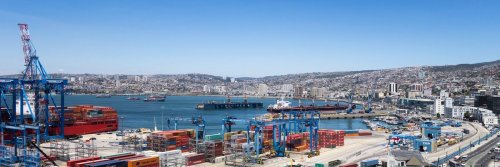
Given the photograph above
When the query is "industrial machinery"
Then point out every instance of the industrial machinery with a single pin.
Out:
(199, 123)
(29, 118)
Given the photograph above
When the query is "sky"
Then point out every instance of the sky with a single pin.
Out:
(248, 38)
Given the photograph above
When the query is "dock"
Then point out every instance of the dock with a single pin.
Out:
(344, 116)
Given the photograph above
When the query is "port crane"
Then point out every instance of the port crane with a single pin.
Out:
(29, 118)
(199, 123)
(351, 108)
(371, 95)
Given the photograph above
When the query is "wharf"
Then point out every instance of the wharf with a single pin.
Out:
(328, 116)
(357, 115)
(230, 105)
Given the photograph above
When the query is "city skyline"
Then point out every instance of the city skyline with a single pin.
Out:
(239, 39)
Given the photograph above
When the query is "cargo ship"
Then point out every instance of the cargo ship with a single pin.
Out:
(285, 106)
(156, 98)
(78, 120)
(229, 105)
(86, 119)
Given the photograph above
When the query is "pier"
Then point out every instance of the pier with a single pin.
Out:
(344, 116)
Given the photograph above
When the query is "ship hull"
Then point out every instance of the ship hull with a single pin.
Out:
(86, 128)
(216, 106)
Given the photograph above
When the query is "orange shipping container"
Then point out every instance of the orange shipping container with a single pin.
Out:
(144, 162)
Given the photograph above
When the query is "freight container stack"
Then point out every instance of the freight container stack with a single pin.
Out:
(171, 158)
(327, 138)
(144, 162)
(267, 138)
(234, 144)
(237, 140)
(194, 159)
(340, 139)
(297, 142)
(228, 138)
(214, 137)
(72, 163)
(110, 163)
(170, 140)
(213, 149)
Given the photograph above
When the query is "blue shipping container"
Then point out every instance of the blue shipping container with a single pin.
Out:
(351, 131)
(369, 163)
(110, 163)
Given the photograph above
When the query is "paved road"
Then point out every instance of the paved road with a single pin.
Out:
(481, 131)
(480, 157)
(486, 158)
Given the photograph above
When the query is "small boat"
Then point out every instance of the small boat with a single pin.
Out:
(103, 96)
(155, 98)
(133, 98)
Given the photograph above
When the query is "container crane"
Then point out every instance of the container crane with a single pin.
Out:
(199, 123)
(371, 94)
(31, 97)
(351, 108)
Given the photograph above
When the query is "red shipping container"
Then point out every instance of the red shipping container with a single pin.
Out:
(72, 163)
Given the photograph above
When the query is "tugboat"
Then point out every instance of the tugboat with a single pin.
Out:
(155, 98)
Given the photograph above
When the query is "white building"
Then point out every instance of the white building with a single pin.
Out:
(485, 116)
(438, 107)
(206, 89)
(393, 88)
(448, 102)
(318, 92)
(458, 112)
(443, 94)
(286, 88)
(220, 89)
(262, 90)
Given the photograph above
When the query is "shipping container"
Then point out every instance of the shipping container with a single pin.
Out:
(116, 155)
(72, 163)
(144, 162)
(110, 163)
(82, 164)
(319, 165)
(369, 163)
(129, 157)
(349, 165)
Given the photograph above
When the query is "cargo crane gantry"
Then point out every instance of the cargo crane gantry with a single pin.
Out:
(199, 123)
(31, 96)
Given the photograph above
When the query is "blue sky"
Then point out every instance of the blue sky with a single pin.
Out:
(248, 38)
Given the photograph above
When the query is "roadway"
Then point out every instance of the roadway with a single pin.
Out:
(481, 131)
(480, 156)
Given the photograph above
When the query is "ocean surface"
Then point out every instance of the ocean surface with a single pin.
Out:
(140, 114)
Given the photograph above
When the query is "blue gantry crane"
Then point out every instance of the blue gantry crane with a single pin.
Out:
(199, 123)
(351, 105)
(29, 118)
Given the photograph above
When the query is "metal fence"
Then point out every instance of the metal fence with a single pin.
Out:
(445, 159)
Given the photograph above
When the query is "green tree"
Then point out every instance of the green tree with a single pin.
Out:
(438, 115)
(467, 115)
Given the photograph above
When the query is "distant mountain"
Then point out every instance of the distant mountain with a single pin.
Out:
(447, 68)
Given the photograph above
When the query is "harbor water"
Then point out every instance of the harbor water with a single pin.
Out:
(139, 114)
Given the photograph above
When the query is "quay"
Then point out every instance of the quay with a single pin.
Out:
(357, 115)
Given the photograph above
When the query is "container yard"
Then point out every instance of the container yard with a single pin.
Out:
(40, 130)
